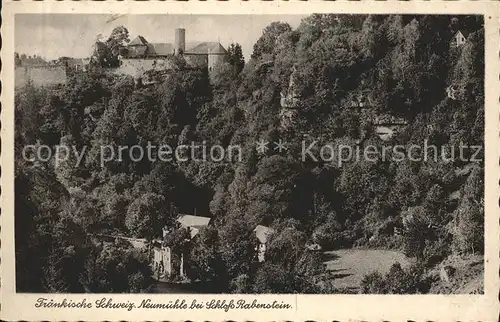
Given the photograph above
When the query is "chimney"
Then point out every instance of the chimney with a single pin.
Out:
(180, 41)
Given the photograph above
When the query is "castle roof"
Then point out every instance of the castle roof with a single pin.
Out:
(153, 49)
(164, 49)
(139, 40)
(207, 47)
(160, 49)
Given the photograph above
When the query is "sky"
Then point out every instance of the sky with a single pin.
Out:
(54, 35)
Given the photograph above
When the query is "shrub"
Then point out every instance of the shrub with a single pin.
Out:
(271, 278)
(373, 283)
(240, 284)
(396, 281)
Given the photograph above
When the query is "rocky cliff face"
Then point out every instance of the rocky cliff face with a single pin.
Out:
(288, 102)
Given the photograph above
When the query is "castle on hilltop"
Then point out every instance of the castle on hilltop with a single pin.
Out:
(53, 73)
(140, 56)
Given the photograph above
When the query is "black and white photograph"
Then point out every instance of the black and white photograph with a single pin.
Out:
(249, 154)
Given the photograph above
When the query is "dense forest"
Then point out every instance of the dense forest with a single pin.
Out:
(400, 65)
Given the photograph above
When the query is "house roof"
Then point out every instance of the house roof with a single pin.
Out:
(464, 33)
(193, 221)
(262, 232)
(386, 119)
(207, 47)
(193, 231)
(139, 40)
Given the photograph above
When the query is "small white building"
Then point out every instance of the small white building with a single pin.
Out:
(162, 260)
(459, 39)
(386, 126)
(193, 223)
(162, 255)
(262, 233)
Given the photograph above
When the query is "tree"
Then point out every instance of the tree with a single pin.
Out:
(50, 245)
(116, 268)
(468, 229)
(279, 189)
(397, 281)
(106, 53)
(117, 39)
(65, 262)
(114, 212)
(17, 60)
(67, 168)
(238, 247)
(29, 101)
(371, 38)
(373, 283)
(147, 215)
(101, 56)
(273, 278)
(178, 240)
(468, 222)
(235, 57)
(285, 247)
(327, 234)
(267, 42)
(205, 262)
(84, 210)
(417, 230)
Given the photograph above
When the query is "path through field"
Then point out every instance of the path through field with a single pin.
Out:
(348, 266)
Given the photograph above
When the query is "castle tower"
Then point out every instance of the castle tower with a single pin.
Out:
(180, 41)
(216, 55)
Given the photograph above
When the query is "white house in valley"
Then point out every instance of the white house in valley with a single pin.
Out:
(459, 38)
(262, 233)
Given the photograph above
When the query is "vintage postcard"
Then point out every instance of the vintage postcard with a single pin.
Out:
(260, 161)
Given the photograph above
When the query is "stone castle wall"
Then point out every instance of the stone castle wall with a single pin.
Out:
(137, 67)
(196, 60)
(215, 59)
(40, 75)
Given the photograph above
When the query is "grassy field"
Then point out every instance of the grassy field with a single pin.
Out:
(349, 266)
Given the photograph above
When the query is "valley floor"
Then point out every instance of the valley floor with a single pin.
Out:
(349, 266)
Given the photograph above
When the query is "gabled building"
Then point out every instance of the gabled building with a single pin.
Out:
(207, 54)
(459, 38)
(262, 233)
(139, 48)
(193, 223)
(162, 260)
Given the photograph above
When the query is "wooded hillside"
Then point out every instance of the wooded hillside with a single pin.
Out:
(398, 66)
